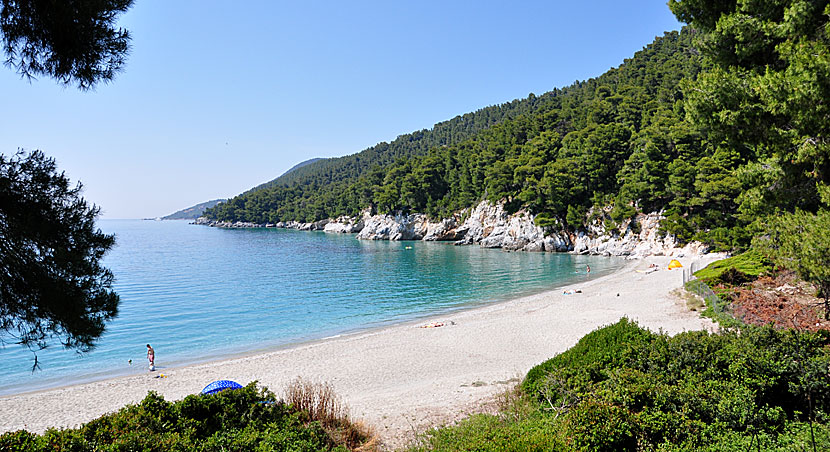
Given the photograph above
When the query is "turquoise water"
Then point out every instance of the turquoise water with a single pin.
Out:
(197, 293)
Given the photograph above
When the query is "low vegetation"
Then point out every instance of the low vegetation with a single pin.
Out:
(247, 419)
(736, 269)
(321, 404)
(624, 388)
(754, 289)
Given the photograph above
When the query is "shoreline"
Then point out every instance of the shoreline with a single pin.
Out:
(59, 382)
(399, 378)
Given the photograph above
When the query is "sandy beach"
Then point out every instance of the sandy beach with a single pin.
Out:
(402, 379)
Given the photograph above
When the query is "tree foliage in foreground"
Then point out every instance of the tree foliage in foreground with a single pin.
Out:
(72, 41)
(625, 388)
(52, 283)
(247, 419)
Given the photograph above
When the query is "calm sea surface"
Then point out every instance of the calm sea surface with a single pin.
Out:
(198, 293)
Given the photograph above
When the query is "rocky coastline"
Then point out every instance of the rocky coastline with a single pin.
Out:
(490, 226)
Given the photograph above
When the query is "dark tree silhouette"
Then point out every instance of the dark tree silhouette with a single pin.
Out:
(72, 41)
(52, 284)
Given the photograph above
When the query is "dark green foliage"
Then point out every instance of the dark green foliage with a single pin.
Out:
(73, 41)
(246, 419)
(343, 186)
(597, 426)
(19, 441)
(624, 388)
(588, 360)
(736, 270)
(52, 283)
(763, 105)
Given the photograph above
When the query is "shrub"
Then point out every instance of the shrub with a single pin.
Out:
(590, 359)
(321, 404)
(19, 441)
(624, 388)
(600, 426)
(241, 420)
(736, 270)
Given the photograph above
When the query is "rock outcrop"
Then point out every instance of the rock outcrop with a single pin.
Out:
(487, 225)
(636, 238)
(345, 225)
(394, 227)
(490, 226)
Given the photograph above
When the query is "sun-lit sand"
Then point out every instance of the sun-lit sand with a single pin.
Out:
(402, 379)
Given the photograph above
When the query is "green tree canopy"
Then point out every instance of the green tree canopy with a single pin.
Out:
(765, 99)
(72, 41)
(52, 284)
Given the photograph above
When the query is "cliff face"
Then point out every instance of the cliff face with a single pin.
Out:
(489, 226)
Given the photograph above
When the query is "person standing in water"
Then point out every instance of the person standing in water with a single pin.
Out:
(151, 356)
(588, 270)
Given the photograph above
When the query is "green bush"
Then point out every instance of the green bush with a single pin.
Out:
(19, 441)
(736, 270)
(247, 419)
(600, 426)
(590, 359)
(624, 388)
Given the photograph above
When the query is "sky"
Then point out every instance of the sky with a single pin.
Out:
(217, 97)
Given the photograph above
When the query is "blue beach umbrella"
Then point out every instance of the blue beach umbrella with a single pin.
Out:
(220, 385)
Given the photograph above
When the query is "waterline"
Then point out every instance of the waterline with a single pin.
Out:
(199, 294)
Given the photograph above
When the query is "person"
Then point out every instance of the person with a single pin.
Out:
(588, 269)
(151, 356)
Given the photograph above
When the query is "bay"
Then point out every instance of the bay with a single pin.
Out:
(198, 293)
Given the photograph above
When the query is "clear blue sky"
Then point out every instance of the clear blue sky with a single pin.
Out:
(219, 96)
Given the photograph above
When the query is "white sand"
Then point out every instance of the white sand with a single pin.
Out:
(401, 379)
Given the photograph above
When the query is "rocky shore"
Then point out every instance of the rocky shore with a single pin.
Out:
(490, 226)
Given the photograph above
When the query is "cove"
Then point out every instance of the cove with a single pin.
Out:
(198, 293)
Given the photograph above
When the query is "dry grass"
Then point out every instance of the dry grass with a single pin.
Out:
(513, 404)
(690, 300)
(323, 405)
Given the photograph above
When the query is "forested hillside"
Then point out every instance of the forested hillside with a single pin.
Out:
(321, 172)
(522, 151)
(715, 127)
(193, 212)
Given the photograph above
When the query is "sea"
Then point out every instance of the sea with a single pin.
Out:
(198, 294)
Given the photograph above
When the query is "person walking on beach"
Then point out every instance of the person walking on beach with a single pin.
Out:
(151, 356)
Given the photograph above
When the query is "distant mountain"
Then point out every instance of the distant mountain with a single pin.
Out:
(192, 213)
(302, 164)
(283, 175)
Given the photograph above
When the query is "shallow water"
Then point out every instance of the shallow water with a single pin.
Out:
(197, 293)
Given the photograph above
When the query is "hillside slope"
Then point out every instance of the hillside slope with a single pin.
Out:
(193, 212)
(605, 139)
